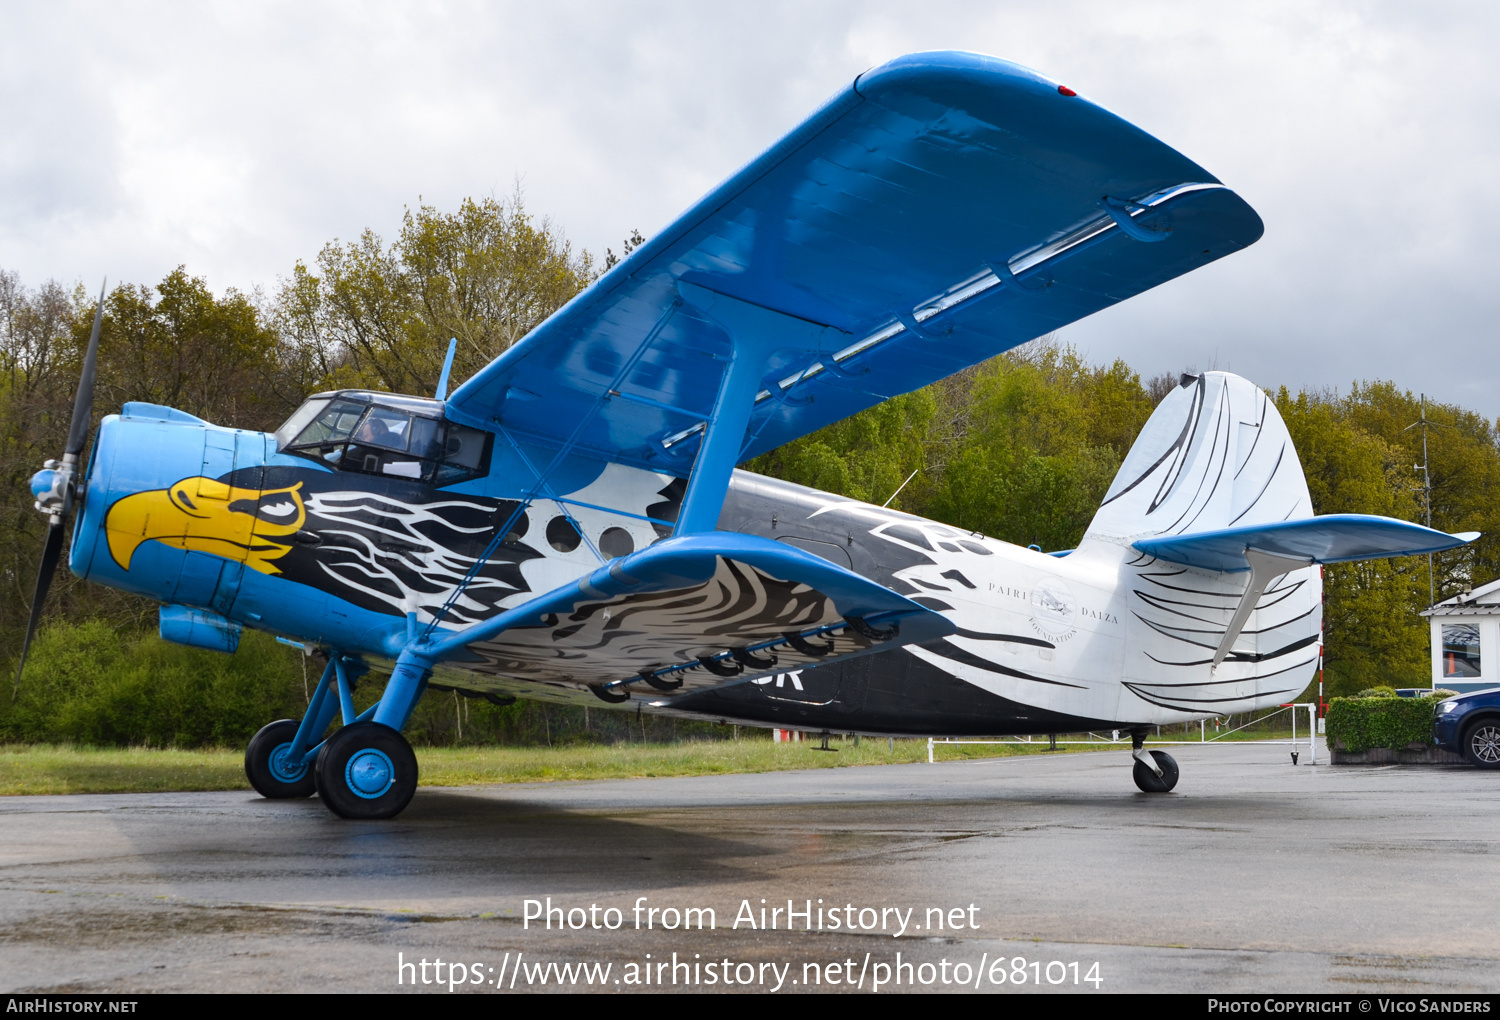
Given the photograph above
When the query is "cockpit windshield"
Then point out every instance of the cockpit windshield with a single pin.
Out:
(293, 426)
(333, 426)
(357, 432)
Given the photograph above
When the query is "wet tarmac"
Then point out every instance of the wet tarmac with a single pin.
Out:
(1254, 876)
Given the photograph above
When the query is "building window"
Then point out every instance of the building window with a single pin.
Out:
(1461, 651)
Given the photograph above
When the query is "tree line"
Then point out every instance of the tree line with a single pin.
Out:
(1021, 447)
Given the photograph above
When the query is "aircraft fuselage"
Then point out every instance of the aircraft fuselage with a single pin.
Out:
(349, 556)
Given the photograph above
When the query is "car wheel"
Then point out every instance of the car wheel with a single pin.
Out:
(1481, 744)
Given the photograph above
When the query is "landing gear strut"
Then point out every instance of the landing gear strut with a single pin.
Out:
(1155, 771)
(366, 769)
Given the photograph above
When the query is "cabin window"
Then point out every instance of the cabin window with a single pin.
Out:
(518, 529)
(1461, 651)
(464, 455)
(616, 542)
(562, 535)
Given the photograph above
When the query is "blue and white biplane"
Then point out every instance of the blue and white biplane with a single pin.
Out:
(569, 523)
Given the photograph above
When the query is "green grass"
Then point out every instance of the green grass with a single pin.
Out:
(53, 768)
(470, 766)
(50, 768)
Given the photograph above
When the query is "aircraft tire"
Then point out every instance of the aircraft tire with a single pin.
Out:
(1149, 781)
(264, 765)
(367, 770)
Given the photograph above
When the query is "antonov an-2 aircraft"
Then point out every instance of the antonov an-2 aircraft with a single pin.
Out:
(569, 523)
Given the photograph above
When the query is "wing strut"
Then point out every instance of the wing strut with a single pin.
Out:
(541, 485)
(755, 333)
(1264, 568)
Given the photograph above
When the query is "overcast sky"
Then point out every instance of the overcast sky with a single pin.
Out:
(238, 138)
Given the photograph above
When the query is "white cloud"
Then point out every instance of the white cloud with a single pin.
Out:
(238, 138)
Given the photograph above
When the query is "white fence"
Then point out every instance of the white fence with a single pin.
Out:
(1203, 737)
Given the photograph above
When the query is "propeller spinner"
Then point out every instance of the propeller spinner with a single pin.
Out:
(54, 487)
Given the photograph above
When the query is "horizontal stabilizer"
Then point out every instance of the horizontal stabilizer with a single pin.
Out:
(1334, 538)
(692, 612)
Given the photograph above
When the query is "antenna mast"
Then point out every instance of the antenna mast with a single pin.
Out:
(1426, 493)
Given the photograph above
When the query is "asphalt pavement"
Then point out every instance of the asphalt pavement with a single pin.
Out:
(1044, 873)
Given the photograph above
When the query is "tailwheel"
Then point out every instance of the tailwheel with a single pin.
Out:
(367, 770)
(268, 767)
(1149, 779)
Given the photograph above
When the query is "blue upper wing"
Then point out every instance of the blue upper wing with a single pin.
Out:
(943, 208)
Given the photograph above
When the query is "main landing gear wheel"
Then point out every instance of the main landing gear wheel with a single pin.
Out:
(367, 770)
(1149, 781)
(266, 764)
(1481, 744)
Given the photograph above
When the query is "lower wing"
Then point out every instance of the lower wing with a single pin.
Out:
(693, 612)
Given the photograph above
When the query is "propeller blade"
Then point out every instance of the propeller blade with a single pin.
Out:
(78, 432)
(83, 400)
(51, 553)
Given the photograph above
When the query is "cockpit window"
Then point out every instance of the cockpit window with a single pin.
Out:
(427, 439)
(371, 439)
(389, 430)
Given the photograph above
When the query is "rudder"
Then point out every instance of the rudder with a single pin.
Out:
(1214, 454)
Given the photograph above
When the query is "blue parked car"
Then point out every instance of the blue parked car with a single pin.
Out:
(1469, 724)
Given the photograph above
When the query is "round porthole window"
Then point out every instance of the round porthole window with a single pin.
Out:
(616, 542)
(518, 528)
(562, 536)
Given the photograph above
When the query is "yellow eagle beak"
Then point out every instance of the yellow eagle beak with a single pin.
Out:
(203, 515)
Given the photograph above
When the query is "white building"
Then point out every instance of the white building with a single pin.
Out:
(1466, 640)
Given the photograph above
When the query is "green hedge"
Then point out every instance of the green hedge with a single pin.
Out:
(88, 683)
(1358, 724)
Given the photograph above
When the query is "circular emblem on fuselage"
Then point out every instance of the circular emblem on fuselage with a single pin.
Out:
(1054, 610)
